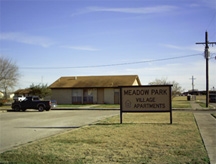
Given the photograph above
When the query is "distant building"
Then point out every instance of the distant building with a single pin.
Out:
(22, 92)
(196, 92)
(1, 94)
(8, 95)
(91, 89)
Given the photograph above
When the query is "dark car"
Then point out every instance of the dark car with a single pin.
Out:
(31, 102)
(212, 98)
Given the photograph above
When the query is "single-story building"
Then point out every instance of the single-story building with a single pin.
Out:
(1, 94)
(9, 95)
(91, 89)
(22, 92)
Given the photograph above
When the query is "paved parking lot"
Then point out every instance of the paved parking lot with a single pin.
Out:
(18, 128)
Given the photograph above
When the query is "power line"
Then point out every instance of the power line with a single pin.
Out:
(210, 23)
(111, 65)
(207, 56)
(211, 20)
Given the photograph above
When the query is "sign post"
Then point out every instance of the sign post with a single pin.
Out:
(149, 98)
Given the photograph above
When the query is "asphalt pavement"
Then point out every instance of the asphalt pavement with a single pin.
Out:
(18, 128)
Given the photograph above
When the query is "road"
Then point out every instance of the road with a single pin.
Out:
(18, 128)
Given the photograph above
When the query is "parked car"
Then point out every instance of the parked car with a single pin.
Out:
(31, 102)
(18, 98)
(53, 103)
(212, 98)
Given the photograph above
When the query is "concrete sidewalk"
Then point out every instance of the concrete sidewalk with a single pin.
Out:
(195, 105)
(207, 127)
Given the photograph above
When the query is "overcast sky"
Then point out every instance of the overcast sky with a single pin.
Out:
(152, 39)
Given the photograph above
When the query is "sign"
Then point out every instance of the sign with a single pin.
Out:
(146, 98)
(151, 98)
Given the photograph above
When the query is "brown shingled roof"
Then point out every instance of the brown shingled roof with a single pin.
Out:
(95, 81)
(23, 91)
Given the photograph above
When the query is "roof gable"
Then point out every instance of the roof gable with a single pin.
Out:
(95, 81)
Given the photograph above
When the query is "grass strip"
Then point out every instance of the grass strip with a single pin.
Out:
(177, 102)
(142, 138)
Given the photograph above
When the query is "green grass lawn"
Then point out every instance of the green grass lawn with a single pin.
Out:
(177, 102)
(142, 138)
(180, 102)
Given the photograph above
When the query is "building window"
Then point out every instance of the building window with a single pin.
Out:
(76, 100)
(88, 96)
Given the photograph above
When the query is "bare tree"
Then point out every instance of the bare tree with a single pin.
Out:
(176, 88)
(9, 74)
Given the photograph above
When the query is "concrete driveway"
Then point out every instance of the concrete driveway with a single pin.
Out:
(18, 128)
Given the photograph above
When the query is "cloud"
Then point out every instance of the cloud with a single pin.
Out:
(179, 72)
(210, 3)
(138, 10)
(192, 47)
(173, 46)
(194, 5)
(203, 3)
(134, 10)
(26, 38)
(82, 48)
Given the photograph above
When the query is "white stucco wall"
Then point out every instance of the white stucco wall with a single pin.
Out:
(62, 96)
(77, 92)
(94, 94)
(109, 95)
(1, 95)
(135, 82)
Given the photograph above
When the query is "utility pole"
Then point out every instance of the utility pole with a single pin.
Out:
(193, 83)
(207, 56)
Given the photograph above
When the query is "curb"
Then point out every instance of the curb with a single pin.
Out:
(62, 109)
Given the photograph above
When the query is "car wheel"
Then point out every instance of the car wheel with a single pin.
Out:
(40, 108)
(17, 108)
(48, 109)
